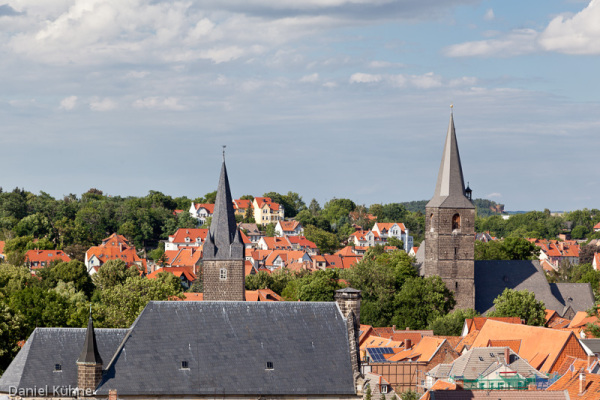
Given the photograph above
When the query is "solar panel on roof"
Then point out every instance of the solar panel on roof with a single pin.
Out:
(377, 353)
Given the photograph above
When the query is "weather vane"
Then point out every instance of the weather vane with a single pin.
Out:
(224, 152)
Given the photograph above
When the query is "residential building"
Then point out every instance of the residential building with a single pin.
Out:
(488, 368)
(189, 257)
(266, 211)
(274, 243)
(597, 227)
(201, 212)
(252, 231)
(186, 237)
(289, 228)
(240, 207)
(114, 247)
(36, 259)
(302, 243)
(2, 255)
(396, 230)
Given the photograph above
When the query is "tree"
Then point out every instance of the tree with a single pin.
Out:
(249, 216)
(209, 198)
(421, 301)
(317, 286)
(122, 303)
(522, 304)
(314, 207)
(512, 248)
(326, 242)
(14, 278)
(72, 271)
(392, 241)
(40, 308)
(262, 280)
(12, 330)
(409, 395)
(270, 230)
(113, 273)
(452, 323)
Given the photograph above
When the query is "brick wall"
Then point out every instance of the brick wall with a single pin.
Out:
(88, 377)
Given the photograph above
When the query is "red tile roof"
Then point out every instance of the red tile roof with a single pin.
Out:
(241, 204)
(177, 271)
(191, 233)
(184, 257)
(2, 243)
(45, 256)
(210, 208)
(262, 201)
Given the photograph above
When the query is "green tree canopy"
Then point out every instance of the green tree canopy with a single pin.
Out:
(113, 273)
(452, 323)
(522, 304)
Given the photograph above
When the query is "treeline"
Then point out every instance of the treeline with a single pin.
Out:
(542, 224)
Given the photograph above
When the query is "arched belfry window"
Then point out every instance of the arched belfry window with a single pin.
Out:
(456, 222)
(431, 222)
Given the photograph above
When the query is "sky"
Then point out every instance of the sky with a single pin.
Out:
(326, 98)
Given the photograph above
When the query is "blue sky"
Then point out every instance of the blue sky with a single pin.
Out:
(327, 98)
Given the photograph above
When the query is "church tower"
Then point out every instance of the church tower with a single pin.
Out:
(223, 250)
(450, 227)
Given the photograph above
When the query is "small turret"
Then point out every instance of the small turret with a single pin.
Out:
(89, 363)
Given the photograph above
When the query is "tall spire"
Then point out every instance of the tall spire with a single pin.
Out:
(89, 353)
(450, 187)
(224, 241)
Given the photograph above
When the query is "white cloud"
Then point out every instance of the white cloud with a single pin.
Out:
(157, 103)
(360, 77)
(106, 104)
(426, 81)
(493, 195)
(569, 34)
(312, 78)
(68, 103)
(489, 15)
(517, 42)
(577, 34)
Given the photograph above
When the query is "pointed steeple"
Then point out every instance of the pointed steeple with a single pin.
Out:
(224, 241)
(450, 187)
(89, 353)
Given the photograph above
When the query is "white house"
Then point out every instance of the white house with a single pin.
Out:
(289, 228)
(201, 211)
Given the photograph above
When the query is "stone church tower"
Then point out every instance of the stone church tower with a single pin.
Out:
(223, 266)
(450, 228)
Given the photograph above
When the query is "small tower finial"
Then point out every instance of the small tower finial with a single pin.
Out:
(451, 108)
(224, 152)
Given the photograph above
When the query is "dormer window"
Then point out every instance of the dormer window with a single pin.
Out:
(185, 365)
(57, 367)
(269, 365)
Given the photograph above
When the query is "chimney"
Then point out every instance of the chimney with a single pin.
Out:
(112, 394)
(507, 355)
(349, 300)
(407, 344)
(581, 382)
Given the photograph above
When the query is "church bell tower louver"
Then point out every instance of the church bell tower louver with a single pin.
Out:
(450, 227)
(223, 266)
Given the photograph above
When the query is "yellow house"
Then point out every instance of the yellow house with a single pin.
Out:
(266, 211)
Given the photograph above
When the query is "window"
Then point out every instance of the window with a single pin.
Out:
(269, 365)
(223, 274)
(57, 367)
(456, 221)
(384, 389)
(184, 365)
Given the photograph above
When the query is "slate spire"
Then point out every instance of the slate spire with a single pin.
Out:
(89, 353)
(224, 241)
(450, 187)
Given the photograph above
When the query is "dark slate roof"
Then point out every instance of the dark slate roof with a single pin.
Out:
(592, 344)
(223, 241)
(89, 353)
(579, 296)
(492, 277)
(33, 367)
(450, 187)
(227, 346)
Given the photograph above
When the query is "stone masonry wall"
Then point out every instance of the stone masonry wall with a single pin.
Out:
(450, 253)
(230, 289)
